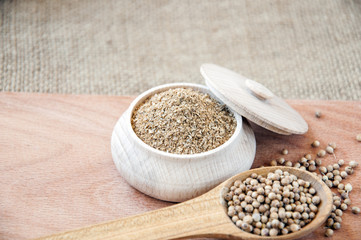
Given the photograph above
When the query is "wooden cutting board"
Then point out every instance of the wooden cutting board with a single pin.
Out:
(57, 173)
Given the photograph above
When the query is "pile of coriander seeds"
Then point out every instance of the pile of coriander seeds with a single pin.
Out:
(333, 175)
(276, 204)
(183, 121)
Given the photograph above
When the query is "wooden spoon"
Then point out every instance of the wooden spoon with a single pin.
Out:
(204, 216)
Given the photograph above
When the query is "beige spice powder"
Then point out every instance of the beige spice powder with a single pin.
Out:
(183, 121)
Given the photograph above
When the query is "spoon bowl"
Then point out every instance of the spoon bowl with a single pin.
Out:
(204, 216)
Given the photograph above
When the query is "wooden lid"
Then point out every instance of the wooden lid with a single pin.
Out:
(253, 101)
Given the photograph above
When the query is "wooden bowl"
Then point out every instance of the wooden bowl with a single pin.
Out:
(175, 177)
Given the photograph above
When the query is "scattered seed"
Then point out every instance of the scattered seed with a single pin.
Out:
(336, 166)
(338, 212)
(329, 222)
(315, 143)
(308, 156)
(321, 153)
(338, 219)
(331, 174)
(347, 201)
(336, 225)
(318, 114)
(284, 151)
(329, 149)
(294, 227)
(343, 206)
(281, 161)
(343, 174)
(349, 170)
(273, 163)
(329, 232)
(348, 187)
(318, 161)
(312, 168)
(332, 144)
(355, 210)
(322, 170)
(358, 137)
(288, 164)
(353, 164)
(344, 195)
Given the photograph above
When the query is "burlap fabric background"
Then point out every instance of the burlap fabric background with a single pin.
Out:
(299, 49)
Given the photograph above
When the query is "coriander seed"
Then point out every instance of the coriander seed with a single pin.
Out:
(347, 201)
(338, 212)
(329, 232)
(355, 210)
(321, 153)
(344, 195)
(273, 163)
(349, 170)
(281, 161)
(318, 114)
(294, 227)
(358, 137)
(341, 162)
(265, 232)
(337, 177)
(336, 226)
(288, 164)
(312, 168)
(332, 144)
(353, 164)
(323, 170)
(348, 187)
(343, 206)
(318, 161)
(343, 174)
(338, 219)
(284, 151)
(329, 175)
(308, 156)
(329, 222)
(315, 143)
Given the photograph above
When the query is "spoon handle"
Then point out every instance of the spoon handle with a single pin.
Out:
(202, 216)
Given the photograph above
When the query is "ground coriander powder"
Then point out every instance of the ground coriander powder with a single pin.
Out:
(183, 121)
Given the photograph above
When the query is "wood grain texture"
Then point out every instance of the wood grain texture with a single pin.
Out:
(57, 173)
(159, 174)
(204, 216)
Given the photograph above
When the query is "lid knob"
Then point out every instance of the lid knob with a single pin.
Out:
(259, 90)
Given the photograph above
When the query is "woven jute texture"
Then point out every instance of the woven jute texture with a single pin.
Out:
(299, 49)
